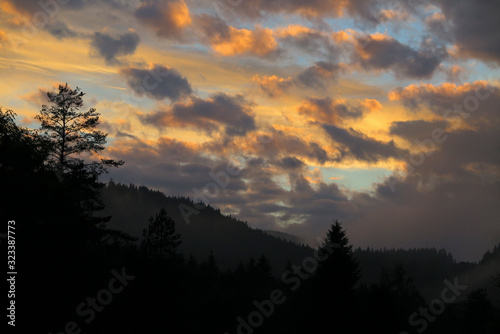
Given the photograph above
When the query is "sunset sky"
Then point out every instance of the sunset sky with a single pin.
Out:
(382, 114)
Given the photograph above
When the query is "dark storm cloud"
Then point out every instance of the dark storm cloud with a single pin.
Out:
(471, 102)
(468, 155)
(233, 113)
(158, 82)
(359, 146)
(416, 130)
(291, 163)
(110, 47)
(387, 53)
(474, 26)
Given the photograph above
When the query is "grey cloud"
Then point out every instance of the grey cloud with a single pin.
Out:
(233, 113)
(291, 163)
(48, 7)
(357, 145)
(213, 27)
(467, 154)
(389, 54)
(53, 7)
(281, 142)
(314, 43)
(110, 47)
(326, 110)
(416, 130)
(474, 26)
(316, 75)
(159, 82)
(272, 146)
(311, 9)
(60, 30)
(472, 102)
(365, 11)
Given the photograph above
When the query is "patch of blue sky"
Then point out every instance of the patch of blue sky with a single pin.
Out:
(485, 72)
(283, 181)
(358, 179)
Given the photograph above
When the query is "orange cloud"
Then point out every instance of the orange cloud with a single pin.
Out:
(259, 42)
(393, 15)
(3, 38)
(437, 16)
(273, 85)
(8, 7)
(343, 36)
(445, 89)
(371, 104)
(314, 176)
(334, 8)
(179, 14)
(16, 16)
(293, 30)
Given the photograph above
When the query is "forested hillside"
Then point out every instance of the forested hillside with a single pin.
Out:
(229, 239)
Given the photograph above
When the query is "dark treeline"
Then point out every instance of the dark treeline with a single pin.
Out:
(80, 274)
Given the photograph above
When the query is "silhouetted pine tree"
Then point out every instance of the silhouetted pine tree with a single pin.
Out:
(333, 286)
(72, 132)
(159, 239)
